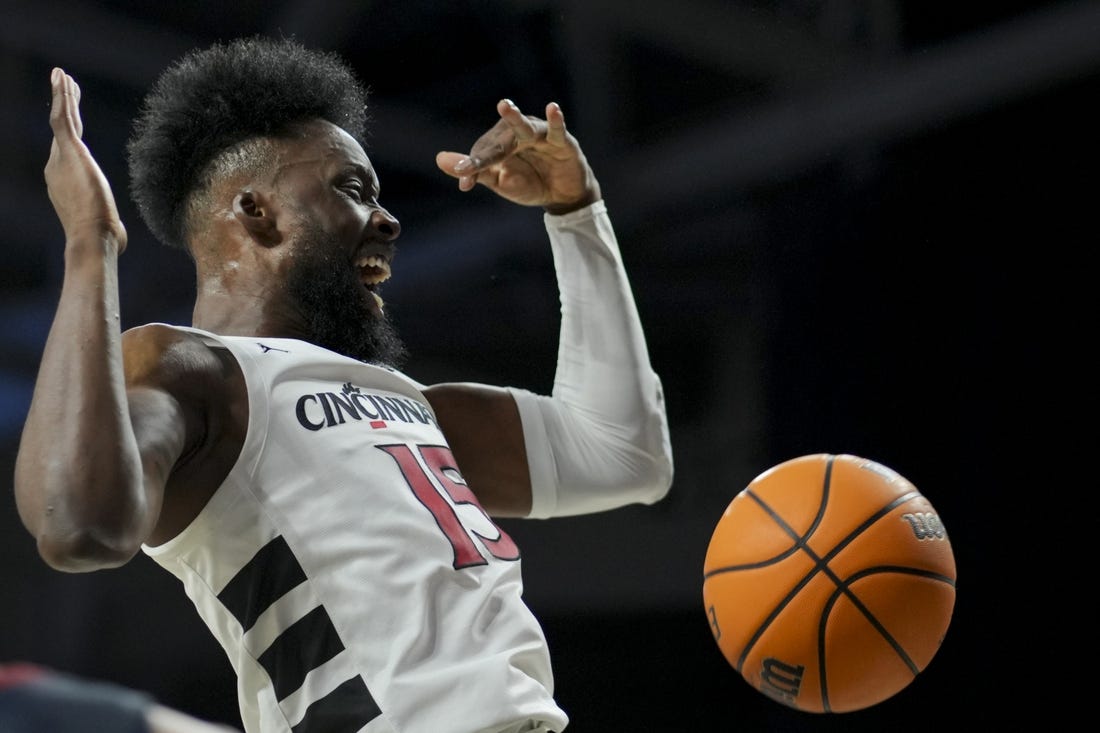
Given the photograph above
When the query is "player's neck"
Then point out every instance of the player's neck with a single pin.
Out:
(248, 315)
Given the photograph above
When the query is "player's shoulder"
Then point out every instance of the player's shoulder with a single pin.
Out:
(160, 354)
(156, 334)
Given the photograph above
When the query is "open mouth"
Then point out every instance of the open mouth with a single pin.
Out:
(374, 269)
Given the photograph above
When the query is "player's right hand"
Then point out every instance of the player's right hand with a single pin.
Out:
(78, 190)
(527, 160)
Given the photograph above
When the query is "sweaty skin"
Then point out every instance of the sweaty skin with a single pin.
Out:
(129, 434)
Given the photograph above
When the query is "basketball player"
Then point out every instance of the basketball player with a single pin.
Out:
(328, 515)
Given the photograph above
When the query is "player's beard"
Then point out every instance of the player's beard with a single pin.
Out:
(336, 309)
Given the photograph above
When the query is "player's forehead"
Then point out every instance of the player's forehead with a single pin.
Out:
(324, 145)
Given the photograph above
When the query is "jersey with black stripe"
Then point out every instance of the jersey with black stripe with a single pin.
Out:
(348, 571)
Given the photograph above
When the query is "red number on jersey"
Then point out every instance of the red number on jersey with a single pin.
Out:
(441, 463)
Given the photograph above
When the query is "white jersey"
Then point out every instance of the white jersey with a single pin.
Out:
(347, 570)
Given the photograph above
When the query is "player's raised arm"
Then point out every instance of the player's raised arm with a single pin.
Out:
(80, 484)
(601, 439)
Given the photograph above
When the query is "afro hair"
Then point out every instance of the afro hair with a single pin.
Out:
(216, 98)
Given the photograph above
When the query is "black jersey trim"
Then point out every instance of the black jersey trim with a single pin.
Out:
(267, 577)
(344, 710)
(304, 646)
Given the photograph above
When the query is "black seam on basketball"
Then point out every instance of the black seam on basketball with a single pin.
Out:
(799, 543)
(905, 569)
(782, 525)
(844, 589)
(869, 521)
(751, 565)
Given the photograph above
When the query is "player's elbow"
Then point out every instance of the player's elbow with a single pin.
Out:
(619, 474)
(84, 550)
(653, 465)
(81, 524)
(78, 540)
(663, 473)
(653, 475)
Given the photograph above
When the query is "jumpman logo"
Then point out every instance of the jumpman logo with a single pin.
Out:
(267, 348)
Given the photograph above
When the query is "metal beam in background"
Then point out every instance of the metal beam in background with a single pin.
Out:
(730, 36)
(762, 46)
(746, 147)
(743, 148)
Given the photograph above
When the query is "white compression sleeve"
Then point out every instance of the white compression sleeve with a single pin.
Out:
(601, 440)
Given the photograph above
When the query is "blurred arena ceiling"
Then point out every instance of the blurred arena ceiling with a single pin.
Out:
(685, 109)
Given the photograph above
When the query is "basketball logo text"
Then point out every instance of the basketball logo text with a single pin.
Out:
(926, 525)
(714, 622)
(781, 681)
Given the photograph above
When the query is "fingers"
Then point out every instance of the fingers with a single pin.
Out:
(555, 124)
(459, 166)
(528, 129)
(522, 126)
(514, 132)
(446, 161)
(65, 107)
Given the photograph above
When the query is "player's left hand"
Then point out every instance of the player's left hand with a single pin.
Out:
(527, 160)
(78, 190)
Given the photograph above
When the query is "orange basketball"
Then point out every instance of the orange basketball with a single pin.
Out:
(829, 583)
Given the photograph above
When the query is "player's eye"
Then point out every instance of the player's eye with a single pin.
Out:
(353, 188)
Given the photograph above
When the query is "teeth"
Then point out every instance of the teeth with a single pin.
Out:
(372, 261)
(373, 269)
(378, 301)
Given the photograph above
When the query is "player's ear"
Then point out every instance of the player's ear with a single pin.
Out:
(256, 212)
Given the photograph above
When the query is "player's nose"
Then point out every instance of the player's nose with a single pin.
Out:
(384, 224)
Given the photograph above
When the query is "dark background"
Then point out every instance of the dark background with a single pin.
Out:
(851, 226)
